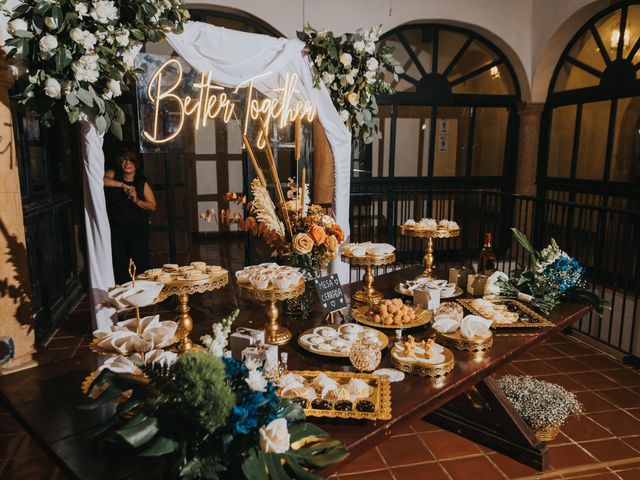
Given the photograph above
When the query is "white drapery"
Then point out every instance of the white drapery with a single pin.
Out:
(233, 58)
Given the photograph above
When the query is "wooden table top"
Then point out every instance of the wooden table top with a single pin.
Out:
(45, 399)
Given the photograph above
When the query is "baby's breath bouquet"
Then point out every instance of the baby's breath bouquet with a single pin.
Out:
(352, 66)
(77, 55)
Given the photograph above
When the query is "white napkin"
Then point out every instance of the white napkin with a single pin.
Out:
(445, 324)
(123, 337)
(120, 364)
(473, 325)
(127, 296)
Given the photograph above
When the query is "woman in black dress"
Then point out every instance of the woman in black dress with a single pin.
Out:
(129, 201)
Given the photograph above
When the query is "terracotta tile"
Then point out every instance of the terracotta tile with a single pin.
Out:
(600, 362)
(561, 439)
(65, 342)
(568, 365)
(632, 474)
(634, 411)
(558, 339)
(404, 451)
(565, 381)
(476, 468)
(582, 428)
(449, 445)
(379, 475)
(590, 473)
(621, 397)
(598, 476)
(535, 367)
(609, 450)
(8, 424)
(565, 456)
(9, 444)
(403, 430)
(574, 349)
(425, 426)
(594, 403)
(624, 376)
(32, 468)
(546, 351)
(510, 467)
(633, 441)
(593, 380)
(370, 460)
(618, 422)
(431, 471)
(509, 369)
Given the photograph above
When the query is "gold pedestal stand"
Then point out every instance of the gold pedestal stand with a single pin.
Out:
(369, 295)
(429, 235)
(275, 334)
(182, 289)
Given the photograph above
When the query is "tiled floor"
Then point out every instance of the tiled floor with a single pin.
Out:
(602, 444)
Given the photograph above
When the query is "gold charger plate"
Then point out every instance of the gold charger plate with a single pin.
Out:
(456, 341)
(409, 293)
(361, 315)
(380, 397)
(540, 320)
(424, 370)
(308, 347)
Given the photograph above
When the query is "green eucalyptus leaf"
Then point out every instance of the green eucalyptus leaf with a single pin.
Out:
(72, 99)
(42, 7)
(299, 472)
(73, 114)
(56, 13)
(23, 34)
(137, 34)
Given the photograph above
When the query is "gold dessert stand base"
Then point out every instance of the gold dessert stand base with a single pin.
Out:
(429, 235)
(182, 289)
(274, 333)
(369, 295)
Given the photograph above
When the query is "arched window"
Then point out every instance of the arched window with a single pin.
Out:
(454, 113)
(590, 143)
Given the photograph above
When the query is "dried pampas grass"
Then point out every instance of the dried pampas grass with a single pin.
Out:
(264, 209)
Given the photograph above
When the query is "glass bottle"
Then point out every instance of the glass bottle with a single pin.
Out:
(487, 260)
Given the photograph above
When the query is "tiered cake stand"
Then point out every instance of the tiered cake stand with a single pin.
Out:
(369, 295)
(429, 235)
(182, 289)
(275, 334)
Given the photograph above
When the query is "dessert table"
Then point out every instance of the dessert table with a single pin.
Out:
(467, 401)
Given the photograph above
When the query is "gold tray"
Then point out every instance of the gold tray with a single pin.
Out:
(424, 233)
(433, 371)
(456, 341)
(381, 337)
(409, 293)
(361, 315)
(381, 396)
(541, 321)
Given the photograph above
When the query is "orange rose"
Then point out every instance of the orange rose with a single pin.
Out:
(336, 230)
(317, 234)
(301, 243)
(332, 243)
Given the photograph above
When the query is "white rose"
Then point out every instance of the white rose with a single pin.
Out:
(372, 64)
(370, 47)
(17, 25)
(345, 59)
(275, 438)
(344, 115)
(47, 43)
(52, 88)
(104, 11)
(128, 57)
(358, 46)
(89, 40)
(353, 98)
(114, 87)
(77, 35)
(81, 9)
(256, 381)
(86, 68)
(370, 76)
(328, 78)
(319, 59)
(123, 38)
(51, 23)
(491, 286)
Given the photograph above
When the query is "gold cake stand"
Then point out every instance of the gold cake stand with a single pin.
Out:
(369, 295)
(275, 334)
(183, 289)
(429, 235)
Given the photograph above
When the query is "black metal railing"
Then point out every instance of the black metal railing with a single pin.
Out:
(604, 239)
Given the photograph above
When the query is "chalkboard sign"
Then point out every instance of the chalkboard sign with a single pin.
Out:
(330, 293)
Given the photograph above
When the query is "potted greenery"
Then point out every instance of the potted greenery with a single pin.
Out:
(544, 406)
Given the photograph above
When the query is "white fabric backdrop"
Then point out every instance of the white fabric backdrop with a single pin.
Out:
(232, 57)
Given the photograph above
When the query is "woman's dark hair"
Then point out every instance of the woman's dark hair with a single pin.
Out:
(133, 157)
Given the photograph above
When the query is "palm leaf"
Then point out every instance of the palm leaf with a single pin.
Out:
(524, 241)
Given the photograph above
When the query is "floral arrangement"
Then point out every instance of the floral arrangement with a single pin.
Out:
(551, 277)
(78, 55)
(217, 417)
(352, 66)
(541, 404)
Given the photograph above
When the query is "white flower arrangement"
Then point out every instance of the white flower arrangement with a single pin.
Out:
(78, 54)
(352, 67)
(217, 342)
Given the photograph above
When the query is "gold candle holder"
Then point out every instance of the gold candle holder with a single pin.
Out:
(429, 235)
(275, 334)
(369, 295)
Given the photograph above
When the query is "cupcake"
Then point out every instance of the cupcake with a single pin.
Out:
(453, 226)
(281, 281)
(243, 276)
(443, 224)
(260, 281)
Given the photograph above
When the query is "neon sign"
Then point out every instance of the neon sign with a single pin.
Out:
(212, 101)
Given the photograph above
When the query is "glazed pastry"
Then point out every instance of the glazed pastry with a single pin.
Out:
(358, 388)
(170, 266)
(392, 312)
(449, 309)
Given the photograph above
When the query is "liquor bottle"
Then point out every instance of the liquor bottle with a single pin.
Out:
(487, 260)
